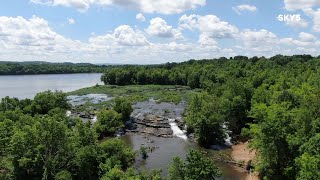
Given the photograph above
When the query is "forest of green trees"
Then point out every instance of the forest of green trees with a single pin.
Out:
(24, 68)
(272, 102)
(38, 141)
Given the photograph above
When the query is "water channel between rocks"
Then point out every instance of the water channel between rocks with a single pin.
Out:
(159, 126)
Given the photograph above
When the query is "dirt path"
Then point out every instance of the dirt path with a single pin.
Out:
(241, 152)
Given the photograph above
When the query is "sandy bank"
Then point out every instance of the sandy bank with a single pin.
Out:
(241, 152)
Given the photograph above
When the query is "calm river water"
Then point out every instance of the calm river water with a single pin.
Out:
(167, 148)
(27, 86)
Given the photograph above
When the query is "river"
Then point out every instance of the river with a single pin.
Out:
(167, 148)
(27, 86)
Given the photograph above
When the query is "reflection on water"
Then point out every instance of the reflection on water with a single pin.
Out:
(167, 148)
(27, 86)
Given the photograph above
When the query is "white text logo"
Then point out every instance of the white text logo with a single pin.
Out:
(289, 17)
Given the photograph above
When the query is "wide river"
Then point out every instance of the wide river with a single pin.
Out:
(27, 86)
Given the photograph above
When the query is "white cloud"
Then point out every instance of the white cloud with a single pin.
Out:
(34, 39)
(298, 24)
(307, 37)
(123, 35)
(205, 40)
(260, 41)
(159, 27)
(307, 6)
(244, 7)
(31, 33)
(146, 6)
(71, 21)
(305, 41)
(189, 22)
(315, 15)
(140, 17)
(210, 27)
(213, 27)
(81, 5)
(292, 5)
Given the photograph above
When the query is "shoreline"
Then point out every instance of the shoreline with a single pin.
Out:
(242, 153)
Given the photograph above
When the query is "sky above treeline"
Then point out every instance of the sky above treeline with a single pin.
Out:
(156, 31)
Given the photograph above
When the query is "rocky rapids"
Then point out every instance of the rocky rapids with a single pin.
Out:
(161, 119)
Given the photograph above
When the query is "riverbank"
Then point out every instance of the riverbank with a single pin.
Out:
(156, 123)
(242, 153)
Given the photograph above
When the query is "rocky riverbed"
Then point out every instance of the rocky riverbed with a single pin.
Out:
(156, 118)
(150, 117)
(151, 124)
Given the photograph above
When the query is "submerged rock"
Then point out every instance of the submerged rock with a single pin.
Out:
(153, 118)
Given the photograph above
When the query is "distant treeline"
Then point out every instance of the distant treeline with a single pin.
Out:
(198, 73)
(272, 102)
(20, 68)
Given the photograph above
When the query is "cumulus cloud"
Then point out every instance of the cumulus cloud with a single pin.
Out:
(123, 35)
(266, 43)
(306, 40)
(81, 5)
(307, 37)
(315, 15)
(140, 17)
(211, 28)
(244, 7)
(210, 25)
(34, 39)
(71, 21)
(159, 27)
(298, 24)
(292, 5)
(260, 41)
(146, 6)
(307, 6)
(33, 33)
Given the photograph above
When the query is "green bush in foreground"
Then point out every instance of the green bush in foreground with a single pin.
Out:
(196, 166)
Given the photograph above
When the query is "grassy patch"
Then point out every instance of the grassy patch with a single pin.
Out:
(136, 93)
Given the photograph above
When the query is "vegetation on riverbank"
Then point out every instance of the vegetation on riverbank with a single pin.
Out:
(272, 102)
(38, 141)
(137, 93)
(24, 68)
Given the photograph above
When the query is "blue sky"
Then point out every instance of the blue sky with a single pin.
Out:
(155, 31)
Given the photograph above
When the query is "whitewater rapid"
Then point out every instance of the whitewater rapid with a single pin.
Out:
(176, 130)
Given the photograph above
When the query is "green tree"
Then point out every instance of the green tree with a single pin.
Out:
(38, 150)
(119, 151)
(309, 163)
(123, 107)
(270, 139)
(205, 116)
(196, 166)
(108, 122)
(46, 101)
(63, 175)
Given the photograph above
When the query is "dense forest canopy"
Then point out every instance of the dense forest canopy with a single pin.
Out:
(21, 68)
(272, 102)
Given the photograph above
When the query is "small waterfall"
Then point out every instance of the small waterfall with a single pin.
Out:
(228, 138)
(68, 113)
(176, 130)
(94, 119)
